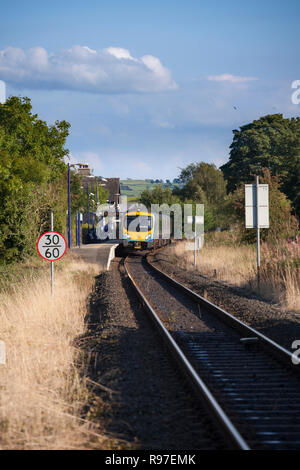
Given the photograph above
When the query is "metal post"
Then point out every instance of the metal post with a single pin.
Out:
(257, 233)
(88, 194)
(52, 263)
(76, 228)
(195, 245)
(93, 216)
(69, 207)
(79, 225)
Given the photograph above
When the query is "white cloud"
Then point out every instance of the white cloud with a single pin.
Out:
(164, 76)
(227, 77)
(119, 53)
(111, 70)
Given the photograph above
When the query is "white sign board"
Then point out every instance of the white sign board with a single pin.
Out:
(190, 246)
(52, 246)
(251, 211)
(2, 353)
(198, 219)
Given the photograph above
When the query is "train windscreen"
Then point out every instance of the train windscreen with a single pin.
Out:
(138, 223)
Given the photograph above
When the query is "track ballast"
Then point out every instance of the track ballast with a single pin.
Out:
(252, 385)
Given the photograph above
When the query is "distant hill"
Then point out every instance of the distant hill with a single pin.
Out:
(134, 188)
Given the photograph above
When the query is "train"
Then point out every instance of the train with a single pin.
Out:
(142, 230)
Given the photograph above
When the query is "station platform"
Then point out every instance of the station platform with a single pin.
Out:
(98, 253)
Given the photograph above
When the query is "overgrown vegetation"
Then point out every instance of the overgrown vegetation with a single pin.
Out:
(43, 391)
(33, 178)
(282, 223)
(133, 188)
(223, 257)
(268, 147)
(271, 142)
(201, 183)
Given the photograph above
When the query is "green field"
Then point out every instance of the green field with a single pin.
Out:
(134, 188)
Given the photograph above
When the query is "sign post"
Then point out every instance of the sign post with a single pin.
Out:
(196, 220)
(52, 246)
(52, 265)
(257, 231)
(257, 213)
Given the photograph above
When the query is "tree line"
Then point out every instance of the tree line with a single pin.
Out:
(33, 178)
(268, 147)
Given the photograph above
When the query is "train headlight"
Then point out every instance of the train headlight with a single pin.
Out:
(148, 236)
(126, 235)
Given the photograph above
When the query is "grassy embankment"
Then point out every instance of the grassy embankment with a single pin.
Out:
(42, 393)
(134, 188)
(236, 264)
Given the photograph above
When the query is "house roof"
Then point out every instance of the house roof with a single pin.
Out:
(111, 184)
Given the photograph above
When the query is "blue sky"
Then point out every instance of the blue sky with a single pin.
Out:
(151, 86)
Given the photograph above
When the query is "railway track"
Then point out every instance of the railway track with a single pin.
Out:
(248, 382)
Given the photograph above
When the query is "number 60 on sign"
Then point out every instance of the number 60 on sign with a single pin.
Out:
(52, 246)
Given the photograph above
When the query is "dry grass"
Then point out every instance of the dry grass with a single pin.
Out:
(236, 264)
(41, 392)
(232, 265)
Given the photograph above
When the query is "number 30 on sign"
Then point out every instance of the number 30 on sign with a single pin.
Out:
(52, 246)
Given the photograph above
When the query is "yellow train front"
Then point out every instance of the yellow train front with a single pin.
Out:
(138, 230)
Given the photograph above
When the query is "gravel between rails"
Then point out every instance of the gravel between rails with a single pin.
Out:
(251, 386)
(143, 402)
(283, 327)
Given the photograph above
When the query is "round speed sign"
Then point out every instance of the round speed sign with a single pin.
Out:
(52, 246)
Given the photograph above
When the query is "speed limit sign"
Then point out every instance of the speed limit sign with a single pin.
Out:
(52, 246)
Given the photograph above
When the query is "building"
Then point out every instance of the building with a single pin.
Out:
(84, 169)
(111, 184)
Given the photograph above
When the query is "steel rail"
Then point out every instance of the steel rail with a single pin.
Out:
(282, 353)
(199, 385)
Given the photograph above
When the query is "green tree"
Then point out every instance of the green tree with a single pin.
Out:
(158, 195)
(32, 177)
(270, 142)
(204, 183)
(282, 223)
(103, 195)
(208, 178)
(191, 191)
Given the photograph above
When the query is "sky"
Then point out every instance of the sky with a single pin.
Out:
(151, 86)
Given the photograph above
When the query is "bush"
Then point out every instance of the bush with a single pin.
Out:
(282, 223)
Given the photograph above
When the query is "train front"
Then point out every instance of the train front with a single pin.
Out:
(138, 230)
